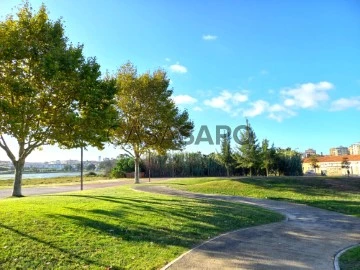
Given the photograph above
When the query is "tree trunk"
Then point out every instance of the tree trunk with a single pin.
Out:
(19, 166)
(137, 168)
(267, 172)
(250, 171)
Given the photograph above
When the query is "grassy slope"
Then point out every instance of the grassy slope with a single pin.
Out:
(341, 195)
(113, 227)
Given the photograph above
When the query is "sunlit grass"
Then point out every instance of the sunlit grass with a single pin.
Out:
(336, 194)
(113, 227)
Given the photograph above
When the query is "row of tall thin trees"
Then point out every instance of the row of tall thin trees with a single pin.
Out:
(247, 158)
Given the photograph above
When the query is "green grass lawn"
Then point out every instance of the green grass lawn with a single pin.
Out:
(350, 260)
(112, 228)
(337, 194)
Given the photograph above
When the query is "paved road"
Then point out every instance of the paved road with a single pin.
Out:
(308, 239)
(29, 191)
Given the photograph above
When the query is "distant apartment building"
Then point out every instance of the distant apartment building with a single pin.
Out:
(339, 151)
(6, 164)
(309, 152)
(354, 149)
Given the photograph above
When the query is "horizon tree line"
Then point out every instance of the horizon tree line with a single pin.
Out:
(247, 159)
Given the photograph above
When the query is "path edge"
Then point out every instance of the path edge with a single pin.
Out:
(286, 219)
(341, 252)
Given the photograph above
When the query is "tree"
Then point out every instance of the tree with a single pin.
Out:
(107, 165)
(345, 164)
(90, 167)
(225, 156)
(68, 168)
(267, 156)
(148, 118)
(314, 162)
(49, 92)
(248, 150)
(123, 165)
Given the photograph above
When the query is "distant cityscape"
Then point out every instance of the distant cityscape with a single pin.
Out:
(73, 165)
(53, 166)
(353, 149)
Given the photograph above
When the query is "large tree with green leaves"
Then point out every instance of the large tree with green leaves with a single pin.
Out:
(49, 92)
(248, 155)
(148, 116)
(225, 156)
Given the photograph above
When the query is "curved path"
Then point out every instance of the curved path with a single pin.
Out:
(308, 239)
(60, 188)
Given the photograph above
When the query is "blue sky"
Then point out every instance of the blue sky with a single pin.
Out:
(291, 67)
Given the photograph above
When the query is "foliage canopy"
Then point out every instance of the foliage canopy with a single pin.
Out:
(50, 93)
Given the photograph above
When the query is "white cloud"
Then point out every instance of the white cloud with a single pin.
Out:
(226, 100)
(279, 112)
(289, 102)
(198, 109)
(345, 103)
(167, 59)
(307, 95)
(239, 97)
(220, 102)
(303, 96)
(258, 107)
(184, 99)
(209, 37)
(177, 68)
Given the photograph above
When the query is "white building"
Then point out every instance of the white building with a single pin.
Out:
(333, 165)
(354, 149)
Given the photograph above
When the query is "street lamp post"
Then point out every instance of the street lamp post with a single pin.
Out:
(81, 169)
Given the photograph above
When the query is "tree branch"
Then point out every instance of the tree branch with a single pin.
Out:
(5, 147)
(127, 151)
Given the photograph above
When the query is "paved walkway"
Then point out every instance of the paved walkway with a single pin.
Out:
(308, 239)
(41, 190)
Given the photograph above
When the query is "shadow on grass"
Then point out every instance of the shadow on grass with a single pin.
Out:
(48, 244)
(178, 207)
(140, 232)
(179, 223)
(311, 186)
